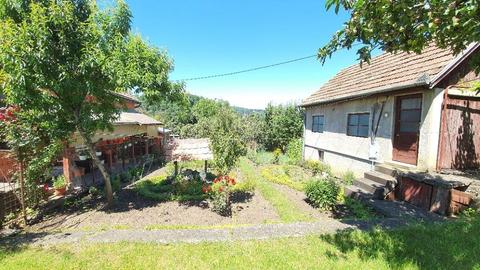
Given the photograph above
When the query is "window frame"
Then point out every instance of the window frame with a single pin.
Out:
(322, 125)
(358, 125)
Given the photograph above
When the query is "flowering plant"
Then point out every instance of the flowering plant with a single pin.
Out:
(219, 194)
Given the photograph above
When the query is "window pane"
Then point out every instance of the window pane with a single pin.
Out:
(411, 103)
(410, 116)
(352, 119)
(363, 119)
(315, 120)
(352, 130)
(320, 120)
(408, 127)
(320, 128)
(363, 131)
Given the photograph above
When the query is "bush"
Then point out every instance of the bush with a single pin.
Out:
(116, 183)
(294, 151)
(348, 177)
(317, 167)
(219, 194)
(322, 193)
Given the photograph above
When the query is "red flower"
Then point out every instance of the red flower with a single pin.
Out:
(220, 189)
(2, 117)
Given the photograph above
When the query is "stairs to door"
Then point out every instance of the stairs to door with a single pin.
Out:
(374, 184)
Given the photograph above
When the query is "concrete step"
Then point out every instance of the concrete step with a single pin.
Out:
(377, 190)
(400, 166)
(386, 169)
(357, 193)
(402, 210)
(381, 178)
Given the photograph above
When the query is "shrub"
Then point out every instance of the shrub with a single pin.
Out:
(116, 183)
(322, 193)
(317, 167)
(348, 177)
(219, 194)
(294, 151)
(93, 191)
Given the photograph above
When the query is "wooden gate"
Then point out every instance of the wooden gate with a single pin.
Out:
(459, 145)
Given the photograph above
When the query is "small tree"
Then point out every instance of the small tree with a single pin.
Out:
(226, 139)
(283, 123)
(66, 58)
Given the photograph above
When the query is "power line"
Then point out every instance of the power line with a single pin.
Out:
(248, 70)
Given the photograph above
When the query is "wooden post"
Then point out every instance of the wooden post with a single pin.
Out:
(22, 191)
(133, 153)
(206, 167)
(176, 167)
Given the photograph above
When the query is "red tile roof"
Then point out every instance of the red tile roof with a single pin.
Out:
(384, 72)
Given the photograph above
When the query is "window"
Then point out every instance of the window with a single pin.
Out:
(358, 124)
(317, 123)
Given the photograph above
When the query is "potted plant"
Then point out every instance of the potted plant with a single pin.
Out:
(60, 185)
(83, 155)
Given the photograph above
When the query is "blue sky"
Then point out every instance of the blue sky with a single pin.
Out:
(206, 37)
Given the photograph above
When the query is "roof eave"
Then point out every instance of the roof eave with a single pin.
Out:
(453, 64)
(371, 93)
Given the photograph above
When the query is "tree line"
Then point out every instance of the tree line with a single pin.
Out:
(230, 130)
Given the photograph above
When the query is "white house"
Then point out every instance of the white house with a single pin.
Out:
(406, 109)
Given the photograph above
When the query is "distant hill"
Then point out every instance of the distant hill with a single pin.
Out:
(246, 111)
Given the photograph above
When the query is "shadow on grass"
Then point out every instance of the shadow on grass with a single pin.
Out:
(451, 245)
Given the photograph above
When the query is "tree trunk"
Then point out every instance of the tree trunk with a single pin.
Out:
(101, 167)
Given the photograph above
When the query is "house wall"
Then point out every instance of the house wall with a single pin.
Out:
(344, 152)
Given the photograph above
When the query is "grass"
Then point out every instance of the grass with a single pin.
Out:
(278, 174)
(452, 245)
(284, 207)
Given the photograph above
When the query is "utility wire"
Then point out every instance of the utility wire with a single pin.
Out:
(248, 70)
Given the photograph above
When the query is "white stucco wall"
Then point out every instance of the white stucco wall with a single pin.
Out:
(344, 152)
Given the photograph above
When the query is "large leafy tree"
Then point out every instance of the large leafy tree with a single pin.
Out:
(283, 123)
(66, 58)
(405, 25)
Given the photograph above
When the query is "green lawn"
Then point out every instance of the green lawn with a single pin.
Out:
(287, 211)
(455, 245)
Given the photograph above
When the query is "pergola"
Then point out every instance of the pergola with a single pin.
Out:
(188, 149)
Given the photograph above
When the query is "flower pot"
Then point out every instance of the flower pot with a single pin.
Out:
(60, 191)
(82, 157)
(98, 153)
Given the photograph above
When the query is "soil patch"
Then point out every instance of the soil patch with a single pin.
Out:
(132, 211)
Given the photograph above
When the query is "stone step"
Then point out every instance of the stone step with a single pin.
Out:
(376, 189)
(386, 169)
(381, 178)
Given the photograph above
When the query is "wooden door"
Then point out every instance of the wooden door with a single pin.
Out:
(408, 114)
